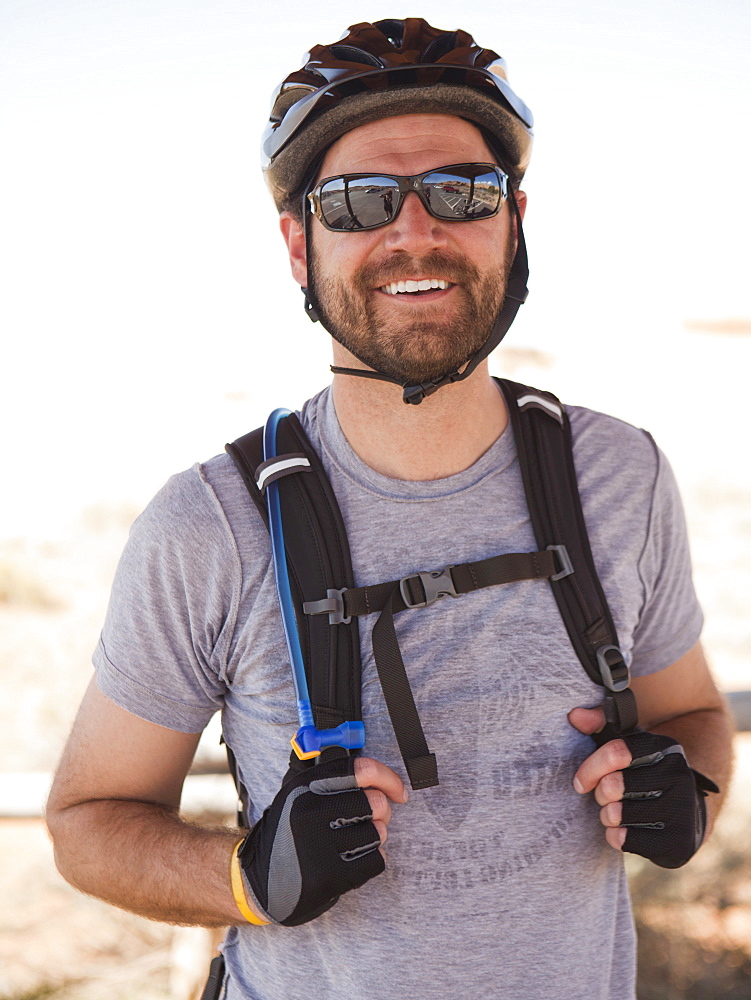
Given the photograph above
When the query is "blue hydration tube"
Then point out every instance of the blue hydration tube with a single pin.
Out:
(308, 741)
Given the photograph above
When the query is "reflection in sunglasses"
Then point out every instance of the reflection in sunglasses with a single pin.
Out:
(459, 193)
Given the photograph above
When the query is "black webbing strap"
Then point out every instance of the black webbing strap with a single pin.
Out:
(621, 716)
(420, 590)
(544, 446)
(419, 761)
(214, 984)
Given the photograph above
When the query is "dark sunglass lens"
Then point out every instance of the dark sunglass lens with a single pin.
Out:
(469, 193)
(359, 202)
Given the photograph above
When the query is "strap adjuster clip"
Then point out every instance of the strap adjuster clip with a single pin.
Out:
(437, 584)
(565, 561)
(616, 675)
(332, 605)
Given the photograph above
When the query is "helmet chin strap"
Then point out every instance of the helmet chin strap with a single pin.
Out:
(516, 294)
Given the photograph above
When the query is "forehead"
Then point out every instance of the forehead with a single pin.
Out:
(407, 144)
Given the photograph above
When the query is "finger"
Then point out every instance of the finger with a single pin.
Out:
(612, 756)
(382, 831)
(379, 805)
(616, 838)
(610, 789)
(612, 814)
(371, 773)
(587, 720)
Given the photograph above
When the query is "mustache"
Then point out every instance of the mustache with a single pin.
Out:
(399, 267)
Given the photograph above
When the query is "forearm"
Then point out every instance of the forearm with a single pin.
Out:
(707, 739)
(144, 858)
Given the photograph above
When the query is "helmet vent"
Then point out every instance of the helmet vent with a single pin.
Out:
(393, 30)
(439, 47)
(348, 53)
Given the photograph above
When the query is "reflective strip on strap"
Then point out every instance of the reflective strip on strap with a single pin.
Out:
(273, 469)
(524, 402)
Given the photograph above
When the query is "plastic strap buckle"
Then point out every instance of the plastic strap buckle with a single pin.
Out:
(616, 675)
(437, 584)
(332, 605)
(565, 561)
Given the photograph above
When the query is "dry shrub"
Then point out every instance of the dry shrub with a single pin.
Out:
(21, 587)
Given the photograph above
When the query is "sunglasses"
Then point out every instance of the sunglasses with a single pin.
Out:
(461, 192)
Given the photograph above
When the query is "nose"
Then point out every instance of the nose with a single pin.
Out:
(414, 229)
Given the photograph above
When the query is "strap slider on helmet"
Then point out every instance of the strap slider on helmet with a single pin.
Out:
(516, 289)
(309, 307)
(416, 393)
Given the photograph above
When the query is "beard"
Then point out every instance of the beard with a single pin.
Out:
(427, 345)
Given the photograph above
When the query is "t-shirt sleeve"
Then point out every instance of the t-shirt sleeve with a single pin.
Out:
(671, 619)
(163, 650)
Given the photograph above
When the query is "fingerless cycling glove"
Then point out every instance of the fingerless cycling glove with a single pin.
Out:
(314, 842)
(663, 802)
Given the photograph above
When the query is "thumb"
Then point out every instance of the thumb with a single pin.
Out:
(587, 720)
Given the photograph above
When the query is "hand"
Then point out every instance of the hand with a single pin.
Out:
(320, 837)
(652, 801)
(381, 786)
(602, 772)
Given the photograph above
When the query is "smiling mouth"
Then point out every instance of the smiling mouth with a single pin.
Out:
(415, 287)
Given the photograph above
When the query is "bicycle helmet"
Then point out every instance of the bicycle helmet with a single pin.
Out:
(381, 70)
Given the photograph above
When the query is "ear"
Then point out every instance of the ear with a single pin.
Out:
(294, 237)
(521, 201)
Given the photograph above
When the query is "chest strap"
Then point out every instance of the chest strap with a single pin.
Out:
(420, 590)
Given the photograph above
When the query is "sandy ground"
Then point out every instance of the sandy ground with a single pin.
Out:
(53, 596)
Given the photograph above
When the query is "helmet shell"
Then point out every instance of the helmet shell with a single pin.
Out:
(381, 70)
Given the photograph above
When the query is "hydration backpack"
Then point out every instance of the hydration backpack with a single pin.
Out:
(320, 602)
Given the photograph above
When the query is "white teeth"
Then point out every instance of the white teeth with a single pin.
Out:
(423, 285)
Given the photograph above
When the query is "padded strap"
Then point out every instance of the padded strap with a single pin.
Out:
(318, 559)
(280, 465)
(544, 445)
(246, 454)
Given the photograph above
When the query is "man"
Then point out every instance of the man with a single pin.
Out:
(502, 880)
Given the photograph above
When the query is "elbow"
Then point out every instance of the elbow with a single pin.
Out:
(64, 835)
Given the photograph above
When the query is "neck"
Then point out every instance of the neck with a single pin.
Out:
(440, 437)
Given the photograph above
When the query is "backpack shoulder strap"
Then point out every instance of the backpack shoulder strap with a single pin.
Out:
(247, 454)
(318, 559)
(543, 438)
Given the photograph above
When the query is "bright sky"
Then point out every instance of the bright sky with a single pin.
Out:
(147, 311)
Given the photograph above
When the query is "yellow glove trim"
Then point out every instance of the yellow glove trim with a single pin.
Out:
(238, 888)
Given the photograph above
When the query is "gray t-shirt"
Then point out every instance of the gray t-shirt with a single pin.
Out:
(499, 881)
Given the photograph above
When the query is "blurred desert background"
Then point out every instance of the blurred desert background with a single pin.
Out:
(147, 317)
